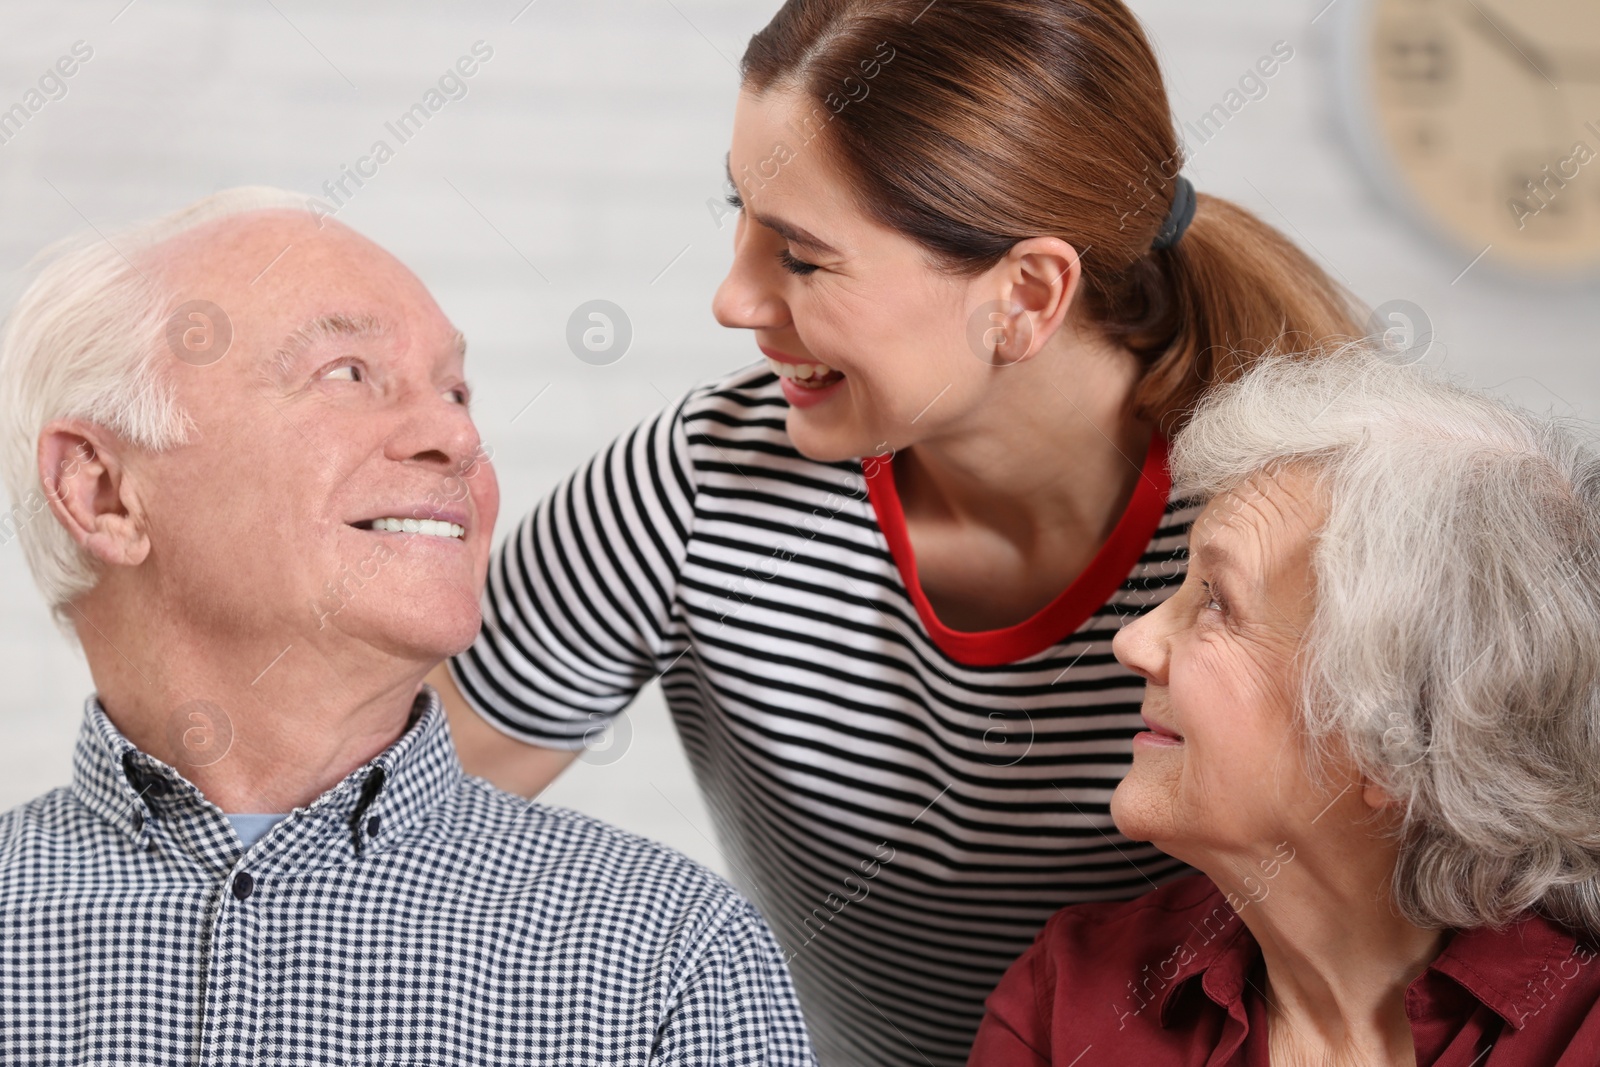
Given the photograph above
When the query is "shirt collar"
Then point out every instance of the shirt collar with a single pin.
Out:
(379, 800)
(1511, 971)
(1514, 971)
(1219, 952)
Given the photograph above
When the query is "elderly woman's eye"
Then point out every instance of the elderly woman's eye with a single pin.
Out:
(459, 395)
(1213, 600)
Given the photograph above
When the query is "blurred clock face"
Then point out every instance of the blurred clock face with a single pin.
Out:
(1489, 112)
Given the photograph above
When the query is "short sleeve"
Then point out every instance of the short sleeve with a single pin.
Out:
(579, 608)
(735, 1005)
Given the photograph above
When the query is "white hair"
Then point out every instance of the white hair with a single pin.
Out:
(1455, 645)
(85, 341)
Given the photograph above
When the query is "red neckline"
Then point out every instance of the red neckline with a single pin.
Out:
(1062, 616)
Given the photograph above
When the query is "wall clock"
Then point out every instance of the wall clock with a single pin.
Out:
(1480, 121)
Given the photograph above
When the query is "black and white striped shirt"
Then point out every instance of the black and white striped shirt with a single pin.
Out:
(410, 915)
(905, 803)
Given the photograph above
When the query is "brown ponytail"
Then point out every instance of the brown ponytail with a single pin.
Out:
(969, 125)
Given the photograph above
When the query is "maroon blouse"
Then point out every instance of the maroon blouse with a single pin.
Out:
(1174, 977)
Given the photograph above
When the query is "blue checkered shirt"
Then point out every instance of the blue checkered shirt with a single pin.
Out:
(410, 915)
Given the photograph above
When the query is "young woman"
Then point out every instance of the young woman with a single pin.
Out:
(879, 573)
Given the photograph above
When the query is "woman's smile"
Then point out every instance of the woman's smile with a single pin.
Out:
(804, 384)
(1157, 735)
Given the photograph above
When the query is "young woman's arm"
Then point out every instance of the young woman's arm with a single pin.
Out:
(515, 766)
(579, 611)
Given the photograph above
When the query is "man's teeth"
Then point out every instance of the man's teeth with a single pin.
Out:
(428, 527)
(804, 372)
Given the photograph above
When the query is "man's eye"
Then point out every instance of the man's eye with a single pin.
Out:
(735, 201)
(459, 395)
(346, 372)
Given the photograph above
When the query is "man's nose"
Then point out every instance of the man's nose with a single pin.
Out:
(434, 431)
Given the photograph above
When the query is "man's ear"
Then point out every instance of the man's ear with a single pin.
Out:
(1040, 280)
(86, 481)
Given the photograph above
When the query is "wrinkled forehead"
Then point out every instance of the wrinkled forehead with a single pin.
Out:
(269, 284)
(1262, 520)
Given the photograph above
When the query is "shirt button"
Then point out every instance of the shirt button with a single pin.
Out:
(372, 826)
(243, 885)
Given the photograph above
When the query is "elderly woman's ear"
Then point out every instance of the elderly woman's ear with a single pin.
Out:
(91, 493)
(1378, 799)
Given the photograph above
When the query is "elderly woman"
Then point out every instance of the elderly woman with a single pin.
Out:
(1373, 716)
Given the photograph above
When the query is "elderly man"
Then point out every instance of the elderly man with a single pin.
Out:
(1372, 713)
(268, 516)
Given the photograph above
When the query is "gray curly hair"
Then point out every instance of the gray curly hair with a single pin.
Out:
(1455, 645)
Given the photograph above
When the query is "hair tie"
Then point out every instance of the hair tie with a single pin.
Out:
(1184, 203)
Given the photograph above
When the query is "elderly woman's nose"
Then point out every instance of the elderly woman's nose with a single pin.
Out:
(1141, 647)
